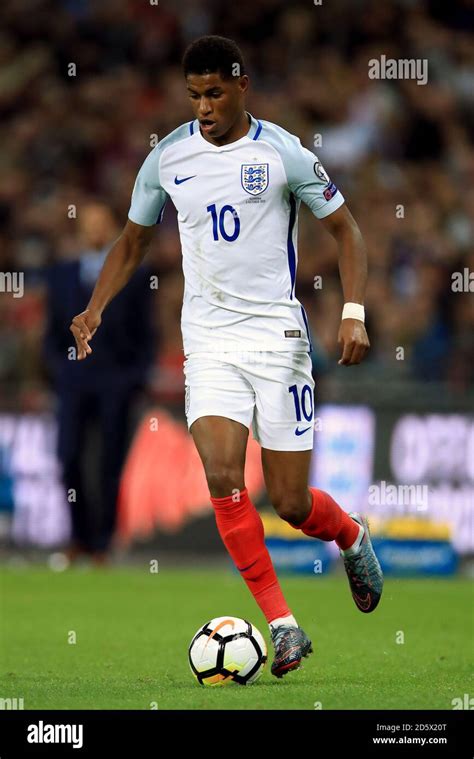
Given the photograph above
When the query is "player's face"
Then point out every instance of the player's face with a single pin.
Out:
(217, 103)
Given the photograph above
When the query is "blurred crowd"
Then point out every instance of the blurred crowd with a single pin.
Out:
(85, 85)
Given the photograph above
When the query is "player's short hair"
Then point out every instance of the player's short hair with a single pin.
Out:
(213, 54)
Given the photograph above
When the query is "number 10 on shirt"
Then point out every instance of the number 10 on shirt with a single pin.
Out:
(218, 222)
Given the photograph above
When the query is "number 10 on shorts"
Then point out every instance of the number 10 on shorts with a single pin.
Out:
(304, 404)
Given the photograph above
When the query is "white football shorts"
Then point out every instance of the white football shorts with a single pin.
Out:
(272, 390)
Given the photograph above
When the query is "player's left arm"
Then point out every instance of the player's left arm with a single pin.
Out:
(353, 272)
(308, 181)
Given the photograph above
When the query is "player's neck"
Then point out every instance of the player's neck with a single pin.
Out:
(238, 130)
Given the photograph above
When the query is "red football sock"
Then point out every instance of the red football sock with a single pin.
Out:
(241, 529)
(327, 521)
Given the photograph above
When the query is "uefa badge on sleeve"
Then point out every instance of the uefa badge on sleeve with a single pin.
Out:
(320, 171)
(330, 188)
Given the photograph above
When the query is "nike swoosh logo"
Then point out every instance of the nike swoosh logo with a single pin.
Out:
(362, 603)
(250, 565)
(301, 432)
(216, 629)
(180, 181)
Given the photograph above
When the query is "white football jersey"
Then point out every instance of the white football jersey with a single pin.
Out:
(237, 213)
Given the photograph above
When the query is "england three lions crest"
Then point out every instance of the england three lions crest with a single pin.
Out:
(255, 177)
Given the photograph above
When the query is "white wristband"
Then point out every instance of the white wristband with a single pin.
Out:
(353, 311)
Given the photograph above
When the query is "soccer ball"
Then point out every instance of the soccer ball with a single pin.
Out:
(225, 650)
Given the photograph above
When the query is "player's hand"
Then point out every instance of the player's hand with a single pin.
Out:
(355, 342)
(83, 327)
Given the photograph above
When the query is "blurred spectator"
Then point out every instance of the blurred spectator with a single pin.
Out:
(97, 395)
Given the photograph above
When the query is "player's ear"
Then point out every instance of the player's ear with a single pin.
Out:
(243, 83)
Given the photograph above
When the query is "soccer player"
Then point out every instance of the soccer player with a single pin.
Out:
(237, 183)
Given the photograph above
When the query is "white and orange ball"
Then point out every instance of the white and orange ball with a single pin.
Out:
(226, 650)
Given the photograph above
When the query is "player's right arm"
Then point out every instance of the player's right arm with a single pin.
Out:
(146, 210)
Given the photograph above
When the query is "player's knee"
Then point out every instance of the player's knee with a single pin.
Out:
(291, 507)
(224, 480)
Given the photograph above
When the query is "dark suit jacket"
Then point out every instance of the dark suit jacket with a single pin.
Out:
(125, 343)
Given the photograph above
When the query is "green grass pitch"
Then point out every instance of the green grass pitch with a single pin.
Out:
(133, 629)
